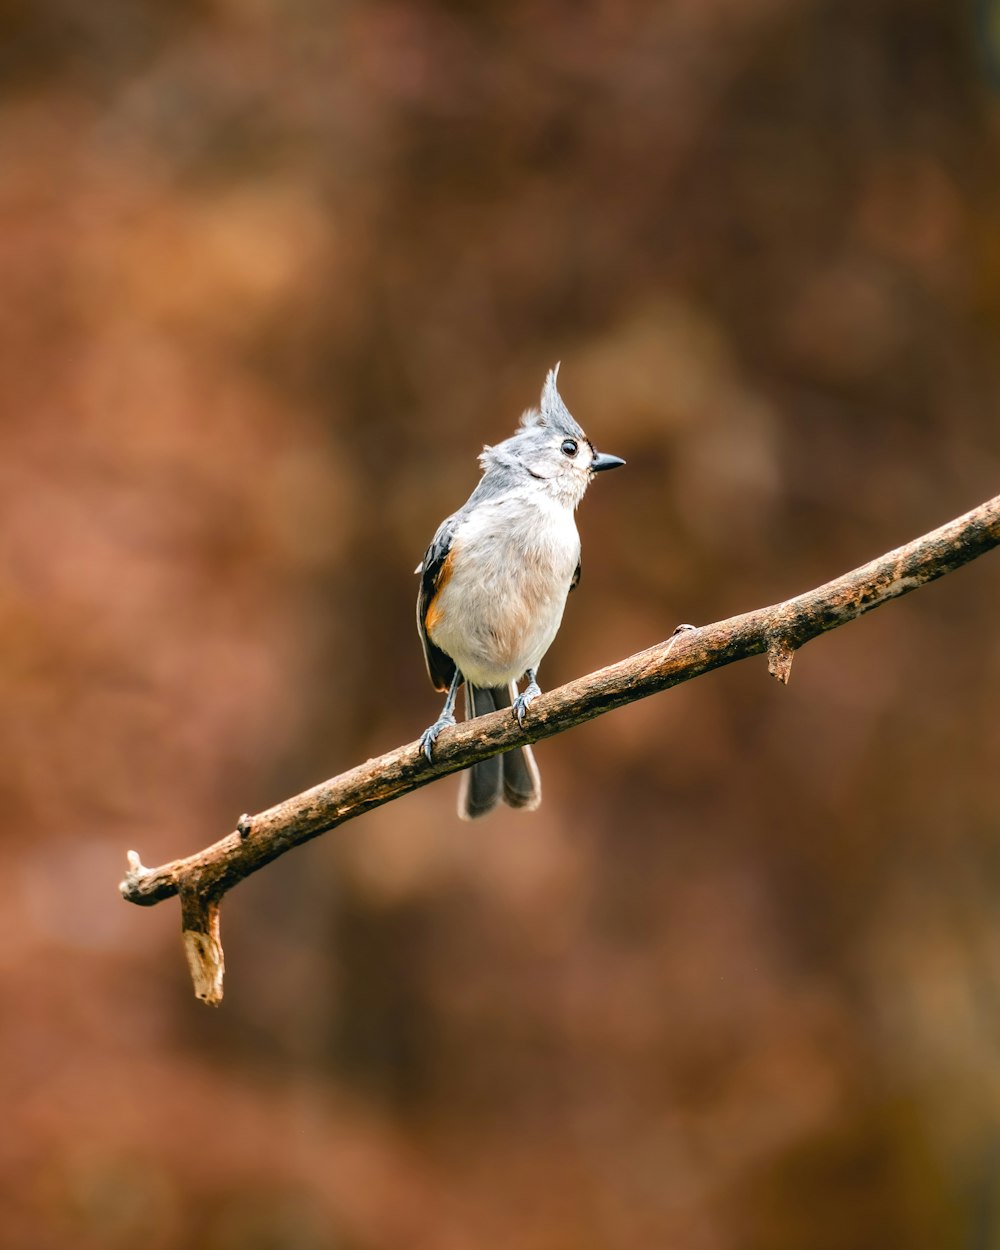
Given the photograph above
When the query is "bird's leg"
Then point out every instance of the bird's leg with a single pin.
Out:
(447, 717)
(527, 695)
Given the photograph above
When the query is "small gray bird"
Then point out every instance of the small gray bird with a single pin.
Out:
(494, 582)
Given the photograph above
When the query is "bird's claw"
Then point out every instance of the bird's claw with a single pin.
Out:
(525, 699)
(430, 734)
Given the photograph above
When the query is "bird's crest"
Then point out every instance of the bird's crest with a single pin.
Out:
(551, 413)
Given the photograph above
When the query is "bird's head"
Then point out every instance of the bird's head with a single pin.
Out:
(551, 448)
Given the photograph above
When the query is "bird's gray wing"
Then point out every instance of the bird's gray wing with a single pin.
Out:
(434, 571)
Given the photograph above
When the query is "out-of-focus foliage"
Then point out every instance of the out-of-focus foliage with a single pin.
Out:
(272, 273)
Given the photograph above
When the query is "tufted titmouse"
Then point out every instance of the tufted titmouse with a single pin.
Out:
(494, 583)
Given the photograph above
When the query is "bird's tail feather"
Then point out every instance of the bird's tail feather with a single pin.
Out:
(512, 777)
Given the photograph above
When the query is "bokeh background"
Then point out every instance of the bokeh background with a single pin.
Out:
(272, 272)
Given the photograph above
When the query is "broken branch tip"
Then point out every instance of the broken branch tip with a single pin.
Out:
(780, 654)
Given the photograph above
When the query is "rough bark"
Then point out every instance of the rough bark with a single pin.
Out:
(779, 631)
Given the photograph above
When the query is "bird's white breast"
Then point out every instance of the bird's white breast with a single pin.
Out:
(511, 564)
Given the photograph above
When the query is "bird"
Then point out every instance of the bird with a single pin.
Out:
(494, 582)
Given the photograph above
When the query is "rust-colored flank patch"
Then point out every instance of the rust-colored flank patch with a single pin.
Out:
(432, 617)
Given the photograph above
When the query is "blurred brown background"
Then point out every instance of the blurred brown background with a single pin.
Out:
(272, 272)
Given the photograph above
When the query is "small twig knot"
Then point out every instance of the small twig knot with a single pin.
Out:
(780, 654)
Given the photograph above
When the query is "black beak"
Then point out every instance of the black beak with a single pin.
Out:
(601, 462)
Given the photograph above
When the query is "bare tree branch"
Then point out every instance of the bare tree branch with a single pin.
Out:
(779, 630)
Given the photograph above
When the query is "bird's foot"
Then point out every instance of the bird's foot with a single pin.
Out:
(524, 700)
(429, 736)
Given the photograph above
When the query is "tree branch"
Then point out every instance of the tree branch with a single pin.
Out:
(779, 630)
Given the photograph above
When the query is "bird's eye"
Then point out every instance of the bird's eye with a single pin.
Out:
(569, 447)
